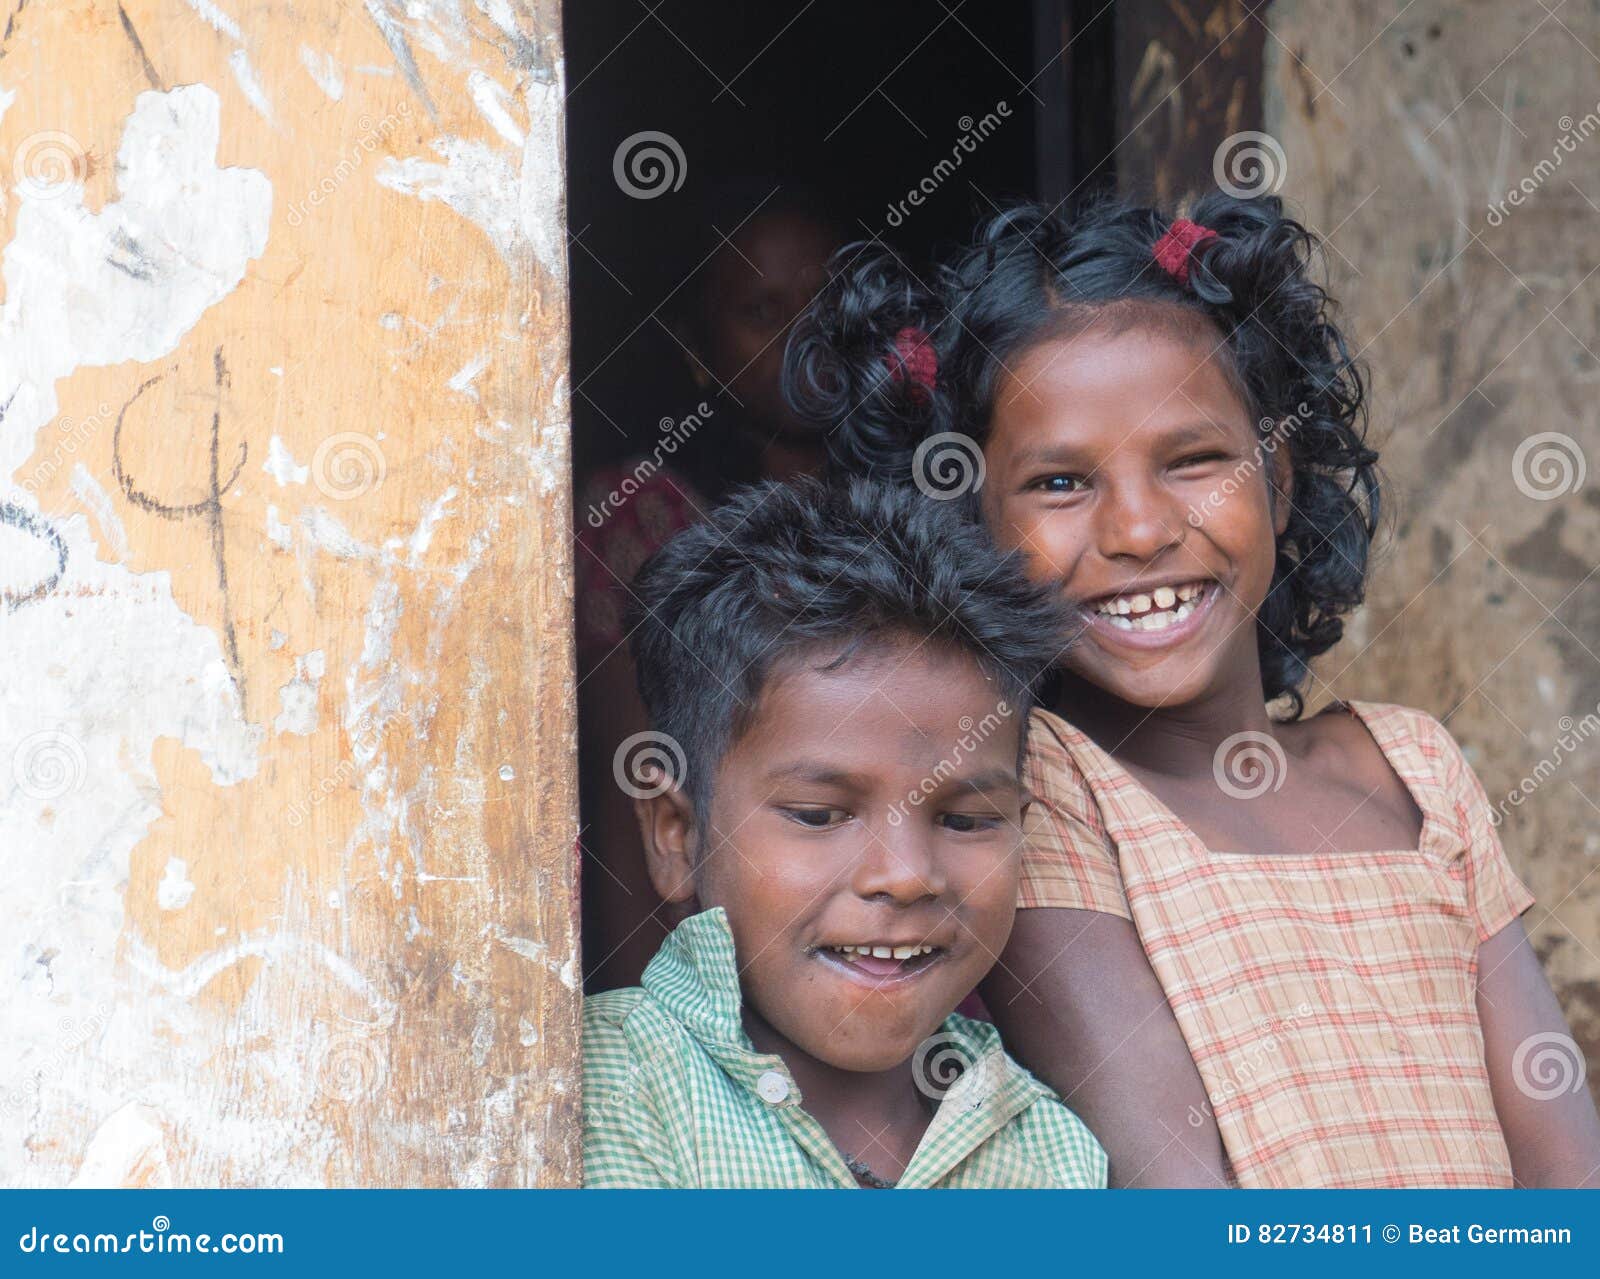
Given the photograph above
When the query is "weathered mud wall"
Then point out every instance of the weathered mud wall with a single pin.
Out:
(1450, 152)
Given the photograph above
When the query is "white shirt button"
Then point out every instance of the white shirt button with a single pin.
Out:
(772, 1087)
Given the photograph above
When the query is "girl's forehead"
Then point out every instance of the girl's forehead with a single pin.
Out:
(1132, 375)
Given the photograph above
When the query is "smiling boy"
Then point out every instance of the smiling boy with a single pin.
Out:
(843, 678)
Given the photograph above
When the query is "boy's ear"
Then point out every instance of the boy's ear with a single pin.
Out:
(671, 842)
(1280, 474)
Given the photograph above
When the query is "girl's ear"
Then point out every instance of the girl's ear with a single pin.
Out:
(671, 843)
(1280, 475)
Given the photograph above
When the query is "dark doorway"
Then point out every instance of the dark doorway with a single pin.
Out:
(905, 120)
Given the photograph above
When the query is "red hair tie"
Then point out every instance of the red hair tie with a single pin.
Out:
(1173, 249)
(914, 362)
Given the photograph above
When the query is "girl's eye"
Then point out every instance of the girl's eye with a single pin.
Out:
(816, 818)
(966, 823)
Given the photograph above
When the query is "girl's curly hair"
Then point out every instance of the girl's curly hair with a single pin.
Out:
(1029, 276)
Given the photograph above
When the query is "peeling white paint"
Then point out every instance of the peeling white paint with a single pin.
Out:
(98, 501)
(423, 535)
(512, 194)
(109, 662)
(281, 535)
(494, 104)
(175, 890)
(299, 695)
(249, 83)
(538, 952)
(128, 1149)
(217, 19)
(280, 464)
(461, 382)
(273, 949)
(324, 69)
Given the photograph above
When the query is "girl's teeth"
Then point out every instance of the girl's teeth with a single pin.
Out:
(1158, 605)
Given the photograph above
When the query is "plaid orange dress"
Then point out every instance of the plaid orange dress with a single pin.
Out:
(1330, 1001)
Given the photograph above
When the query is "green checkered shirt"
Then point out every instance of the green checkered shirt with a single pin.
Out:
(674, 1095)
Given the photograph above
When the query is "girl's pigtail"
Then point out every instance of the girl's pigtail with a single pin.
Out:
(1257, 274)
(863, 363)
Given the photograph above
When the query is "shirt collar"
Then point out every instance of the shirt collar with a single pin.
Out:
(695, 977)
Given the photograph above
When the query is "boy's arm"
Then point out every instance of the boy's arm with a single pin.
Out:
(1078, 1004)
(1551, 1126)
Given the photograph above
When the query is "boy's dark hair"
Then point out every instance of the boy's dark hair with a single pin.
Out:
(779, 570)
(1029, 276)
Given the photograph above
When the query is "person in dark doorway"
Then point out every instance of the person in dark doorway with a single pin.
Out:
(762, 257)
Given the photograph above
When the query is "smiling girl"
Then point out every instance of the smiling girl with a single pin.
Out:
(1262, 948)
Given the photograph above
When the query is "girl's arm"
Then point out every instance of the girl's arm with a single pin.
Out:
(1078, 1004)
(1551, 1128)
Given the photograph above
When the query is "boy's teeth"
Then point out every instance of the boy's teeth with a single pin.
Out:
(884, 952)
(1164, 597)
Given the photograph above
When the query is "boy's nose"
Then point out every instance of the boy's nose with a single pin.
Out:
(899, 865)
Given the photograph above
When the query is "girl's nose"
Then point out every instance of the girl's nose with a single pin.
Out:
(899, 865)
(1138, 521)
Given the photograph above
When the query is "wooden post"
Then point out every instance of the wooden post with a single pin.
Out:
(287, 798)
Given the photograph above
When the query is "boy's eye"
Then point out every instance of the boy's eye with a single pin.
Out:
(970, 822)
(1203, 459)
(816, 818)
(1058, 484)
